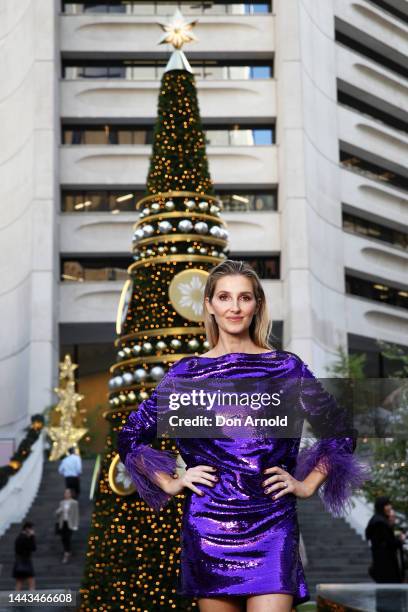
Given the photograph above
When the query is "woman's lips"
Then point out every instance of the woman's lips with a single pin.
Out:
(235, 318)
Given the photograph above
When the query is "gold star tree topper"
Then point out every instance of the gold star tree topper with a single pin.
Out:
(177, 32)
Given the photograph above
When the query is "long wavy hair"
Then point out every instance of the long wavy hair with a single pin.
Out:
(260, 328)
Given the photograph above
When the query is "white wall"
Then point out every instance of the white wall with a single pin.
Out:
(28, 176)
(309, 196)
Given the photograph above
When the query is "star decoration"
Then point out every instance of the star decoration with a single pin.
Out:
(63, 439)
(66, 434)
(67, 368)
(177, 31)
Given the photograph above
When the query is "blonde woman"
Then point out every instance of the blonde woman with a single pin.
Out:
(240, 535)
(68, 521)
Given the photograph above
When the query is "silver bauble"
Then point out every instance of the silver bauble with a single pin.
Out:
(160, 345)
(148, 230)
(175, 343)
(185, 226)
(193, 344)
(201, 227)
(190, 205)
(140, 375)
(127, 378)
(215, 231)
(147, 347)
(139, 234)
(136, 349)
(157, 372)
(203, 251)
(203, 205)
(155, 206)
(169, 205)
(191, 250)
(165, 227)
(118, 381)
(121, 354)
(173, 249)
(111, 383)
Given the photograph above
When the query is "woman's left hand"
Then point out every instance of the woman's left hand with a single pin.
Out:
(281, 483)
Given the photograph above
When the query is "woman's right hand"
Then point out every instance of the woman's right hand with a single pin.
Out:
(203, 474)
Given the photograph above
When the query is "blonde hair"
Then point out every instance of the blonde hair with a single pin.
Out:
(261, 325)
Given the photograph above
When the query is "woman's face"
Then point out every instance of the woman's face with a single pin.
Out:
(233, 303)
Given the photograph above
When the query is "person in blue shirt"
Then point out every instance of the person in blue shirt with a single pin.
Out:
(71, 468)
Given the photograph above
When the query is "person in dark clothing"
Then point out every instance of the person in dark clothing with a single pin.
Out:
(386, 547)
(23, 569)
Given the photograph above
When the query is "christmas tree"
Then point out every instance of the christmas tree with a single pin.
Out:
(133, 552)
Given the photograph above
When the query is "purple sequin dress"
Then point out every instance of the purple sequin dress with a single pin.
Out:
(235, 539)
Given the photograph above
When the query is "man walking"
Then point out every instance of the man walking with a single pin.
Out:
(71, 468)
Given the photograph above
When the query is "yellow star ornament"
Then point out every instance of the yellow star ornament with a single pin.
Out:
(177, 31)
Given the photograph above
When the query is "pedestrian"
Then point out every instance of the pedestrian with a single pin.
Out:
(23, 569)
(71, 468)
(386, 547)
(68, 521)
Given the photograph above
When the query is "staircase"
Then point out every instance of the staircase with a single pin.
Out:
(335, 552)
(49, 571)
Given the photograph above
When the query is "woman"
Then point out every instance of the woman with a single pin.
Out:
(23, 569)
(386, 547)
(68, 521)
(240, 536)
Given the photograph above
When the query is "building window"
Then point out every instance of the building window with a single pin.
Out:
(147, 70)
(267, 267)
(371, 111)
(99, 269)
(355, 44)
(115, 201)
(369, 229)
(377, 364)
(242, 201)
(100, 201)
(237, 135)
(377, 291)
(372, 171)
(188, 7)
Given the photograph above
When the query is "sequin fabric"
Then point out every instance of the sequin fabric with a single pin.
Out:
(235, 539)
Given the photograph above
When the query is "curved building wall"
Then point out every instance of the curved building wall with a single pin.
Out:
(28, 179)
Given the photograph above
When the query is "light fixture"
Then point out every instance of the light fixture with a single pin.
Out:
(240, 199)
(72, 278)
(123, 198)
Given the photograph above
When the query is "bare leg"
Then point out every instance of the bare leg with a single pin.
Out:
(19, 584)
(221, 604)
(31, 583)
(272, 602)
